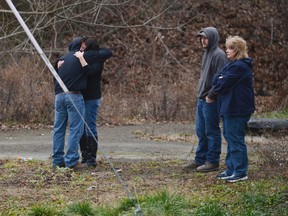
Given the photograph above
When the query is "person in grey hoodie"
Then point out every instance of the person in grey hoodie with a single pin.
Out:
(207, 117)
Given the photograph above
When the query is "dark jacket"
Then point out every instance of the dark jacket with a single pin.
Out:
(234, 85)
(94, 72)
(213, 60)
(71, 72)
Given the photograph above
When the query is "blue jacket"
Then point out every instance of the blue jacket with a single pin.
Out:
(234, 85)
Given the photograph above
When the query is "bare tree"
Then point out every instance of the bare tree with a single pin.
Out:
(154, 70)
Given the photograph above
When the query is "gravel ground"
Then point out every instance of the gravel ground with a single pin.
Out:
(118, 142)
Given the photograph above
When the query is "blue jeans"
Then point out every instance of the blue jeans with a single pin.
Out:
(234, 134)
(208, 132)
(91, 113)
(66, 106)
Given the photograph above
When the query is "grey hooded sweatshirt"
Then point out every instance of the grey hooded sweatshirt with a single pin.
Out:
(213, 60)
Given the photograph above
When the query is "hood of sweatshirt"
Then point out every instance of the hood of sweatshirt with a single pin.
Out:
(248, 61)
(75, 44)
(213, 37)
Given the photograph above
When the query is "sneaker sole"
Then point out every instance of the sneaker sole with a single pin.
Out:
(223, 178)
(235, 180)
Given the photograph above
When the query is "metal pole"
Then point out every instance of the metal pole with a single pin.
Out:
(138, 210)
(36, 45)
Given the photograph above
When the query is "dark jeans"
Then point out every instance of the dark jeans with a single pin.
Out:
(234, 134)
(91, 113)
(208, 132)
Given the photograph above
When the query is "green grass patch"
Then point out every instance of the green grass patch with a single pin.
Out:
(278, 114)
(159, 187)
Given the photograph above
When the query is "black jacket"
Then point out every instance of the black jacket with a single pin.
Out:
(94, 72)
(72, 73)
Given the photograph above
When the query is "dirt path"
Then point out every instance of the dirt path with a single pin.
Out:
(121, 142)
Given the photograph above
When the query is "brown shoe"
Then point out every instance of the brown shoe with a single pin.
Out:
(192, 165)
(208, 167)
(80, 167)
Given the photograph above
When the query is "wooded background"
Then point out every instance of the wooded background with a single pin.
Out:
(154, 70)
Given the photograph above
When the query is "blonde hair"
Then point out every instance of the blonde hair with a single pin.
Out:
(239, 45)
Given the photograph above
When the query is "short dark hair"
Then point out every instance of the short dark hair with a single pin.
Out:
(91, 43)
(83, 39)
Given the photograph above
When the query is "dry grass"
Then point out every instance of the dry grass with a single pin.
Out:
(271, 148)
(25, 183)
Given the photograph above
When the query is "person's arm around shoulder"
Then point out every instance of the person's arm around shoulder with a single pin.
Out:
(80, 56)
(60, 63)
(104, 54)
(94, 69)
(89, 69)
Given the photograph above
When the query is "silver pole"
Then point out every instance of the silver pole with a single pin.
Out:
(138, 211)
(36, 45)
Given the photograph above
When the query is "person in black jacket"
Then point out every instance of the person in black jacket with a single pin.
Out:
(92, 99)
(69, 106)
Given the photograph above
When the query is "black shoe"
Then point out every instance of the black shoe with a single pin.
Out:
(223, 176)
(84, 149)
(92, 147)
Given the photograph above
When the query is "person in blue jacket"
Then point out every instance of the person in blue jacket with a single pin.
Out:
(69, 106)
(234, 88)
